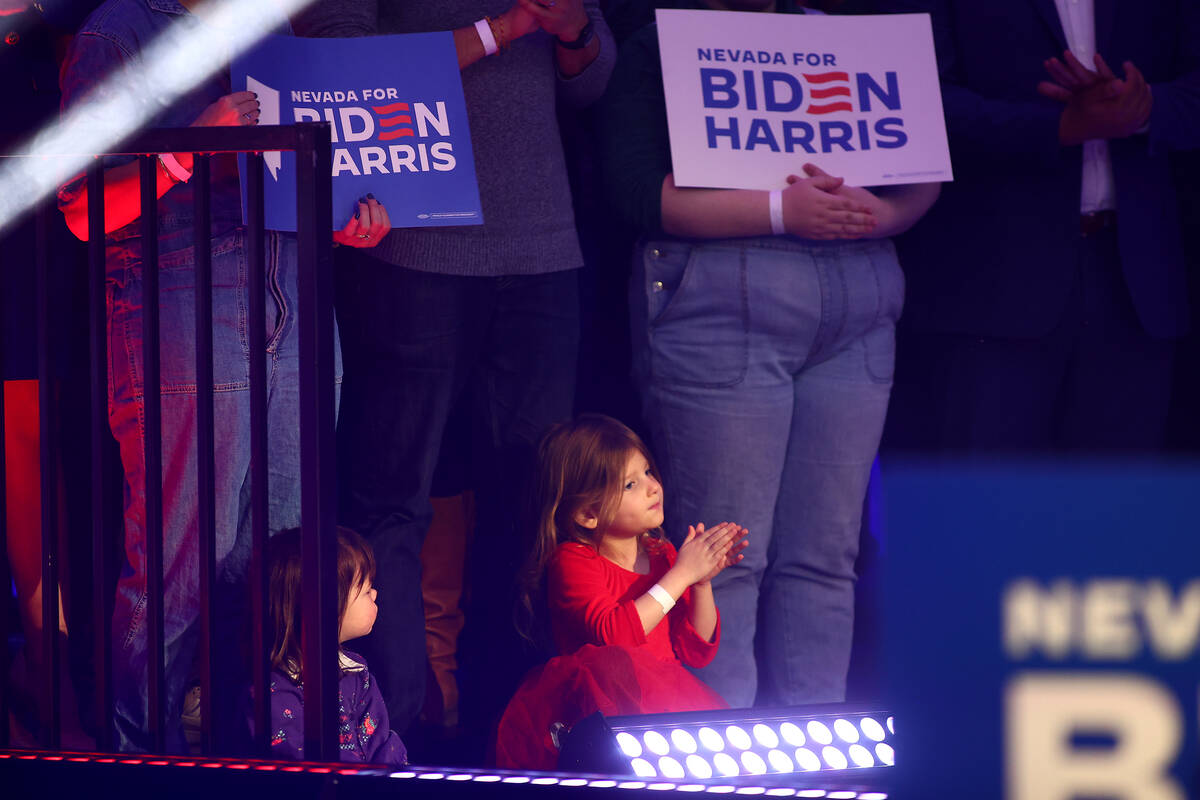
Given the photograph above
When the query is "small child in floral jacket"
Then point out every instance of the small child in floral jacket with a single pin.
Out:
(363, 731)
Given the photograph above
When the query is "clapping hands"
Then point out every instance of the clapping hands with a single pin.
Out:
(707, 551)
(1099, 105)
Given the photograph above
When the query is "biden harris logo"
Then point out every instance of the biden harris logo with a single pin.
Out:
(373, 129)
(796, 103)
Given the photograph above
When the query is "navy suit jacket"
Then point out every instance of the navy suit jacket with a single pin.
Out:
(998, 253)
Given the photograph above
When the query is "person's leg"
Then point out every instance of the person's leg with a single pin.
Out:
(408, 338)
(718, 402)
(525, 383)
(179, 449)
(1118, 387)
(841, 397)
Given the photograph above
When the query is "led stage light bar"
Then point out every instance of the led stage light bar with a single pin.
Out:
(723, 745)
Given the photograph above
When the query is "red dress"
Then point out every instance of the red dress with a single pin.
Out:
(608, 663)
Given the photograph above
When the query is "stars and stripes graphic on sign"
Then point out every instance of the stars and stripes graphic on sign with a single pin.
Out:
(389, 117)
(825, 86)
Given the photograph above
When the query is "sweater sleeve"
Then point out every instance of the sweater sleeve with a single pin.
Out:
(689, 646)
(580, 91)
(338, 18)
(583, 601)
(635, 146)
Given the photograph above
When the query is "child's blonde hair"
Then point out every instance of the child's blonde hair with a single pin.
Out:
(355, 566)
(580, 467)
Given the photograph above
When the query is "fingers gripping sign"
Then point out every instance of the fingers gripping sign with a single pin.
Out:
(367, 227)
(237, 108)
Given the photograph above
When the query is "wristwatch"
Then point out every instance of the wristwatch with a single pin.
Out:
(586, 34)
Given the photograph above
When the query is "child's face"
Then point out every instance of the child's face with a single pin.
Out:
(360, 612)
(641, 507)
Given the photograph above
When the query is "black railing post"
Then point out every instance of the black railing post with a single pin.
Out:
(102, 600)
(259, 446)
(48, 445)
(317, 509)
(5, 574)
(205, 436)
(152, 395)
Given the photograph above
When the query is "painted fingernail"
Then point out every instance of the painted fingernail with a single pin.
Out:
(362, 199)
(255, 95)
(370, 196)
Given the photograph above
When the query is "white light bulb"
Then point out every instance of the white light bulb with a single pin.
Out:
(737, 737)
(834, 758)
(683, 741)
(629, 744)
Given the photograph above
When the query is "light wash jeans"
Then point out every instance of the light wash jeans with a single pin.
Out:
(765, 367)
(231, 370)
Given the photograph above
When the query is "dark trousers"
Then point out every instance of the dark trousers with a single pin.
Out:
(413, 342)
(1098, 382)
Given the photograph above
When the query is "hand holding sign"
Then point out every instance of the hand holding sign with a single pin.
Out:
(367, 227)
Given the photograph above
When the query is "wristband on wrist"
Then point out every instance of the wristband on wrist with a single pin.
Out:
(173, 167)
(776, 205)
(484, 28)
(586, 34)
(662, 597)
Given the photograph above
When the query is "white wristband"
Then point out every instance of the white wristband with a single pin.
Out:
(663, 597)
(776, 204)
(484, 30)
(172, 165)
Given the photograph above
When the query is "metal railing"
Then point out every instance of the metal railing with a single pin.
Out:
(311, 144)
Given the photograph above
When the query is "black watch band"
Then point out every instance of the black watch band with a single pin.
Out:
(586, 34)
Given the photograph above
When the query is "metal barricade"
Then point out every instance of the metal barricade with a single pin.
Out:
(311, 144)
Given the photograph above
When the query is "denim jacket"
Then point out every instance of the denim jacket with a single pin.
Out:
(113, 36)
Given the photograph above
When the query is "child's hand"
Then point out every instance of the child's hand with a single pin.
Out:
(736, 540)
(705, 552)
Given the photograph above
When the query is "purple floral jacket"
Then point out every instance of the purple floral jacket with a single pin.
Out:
(363, 731)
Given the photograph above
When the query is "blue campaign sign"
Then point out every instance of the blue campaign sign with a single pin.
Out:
(399, 129)
(1043, 629)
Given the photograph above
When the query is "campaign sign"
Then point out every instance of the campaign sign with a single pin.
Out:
(399, 128)
(752, 97)
(1042, 627)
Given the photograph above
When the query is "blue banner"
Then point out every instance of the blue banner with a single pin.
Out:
(1043, 629)
(399, 127)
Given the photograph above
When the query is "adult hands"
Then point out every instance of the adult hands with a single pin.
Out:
(705, 552)
(1099, 105)
(562, 18)
(517, 22)
(815, 207)
(367, 227)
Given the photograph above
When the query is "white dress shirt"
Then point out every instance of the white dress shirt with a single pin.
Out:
(1098, 192)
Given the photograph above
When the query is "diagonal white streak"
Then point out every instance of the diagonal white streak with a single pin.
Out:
(184, 55)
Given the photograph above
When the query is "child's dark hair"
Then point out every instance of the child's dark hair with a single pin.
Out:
(580, 466)
(355, 566)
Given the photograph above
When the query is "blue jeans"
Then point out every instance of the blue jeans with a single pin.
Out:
(765, 367)
(231, 371)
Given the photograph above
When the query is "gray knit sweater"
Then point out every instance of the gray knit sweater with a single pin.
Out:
(529, 225)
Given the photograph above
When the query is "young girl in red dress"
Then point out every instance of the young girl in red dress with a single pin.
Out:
(626, 610)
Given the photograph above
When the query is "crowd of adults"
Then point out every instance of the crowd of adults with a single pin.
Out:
(1040, 304)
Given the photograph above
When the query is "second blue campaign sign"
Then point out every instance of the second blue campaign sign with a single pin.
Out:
(399, 128)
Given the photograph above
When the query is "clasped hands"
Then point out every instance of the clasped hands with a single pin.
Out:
(564, 19)
(1098, 104)
(707, 551)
